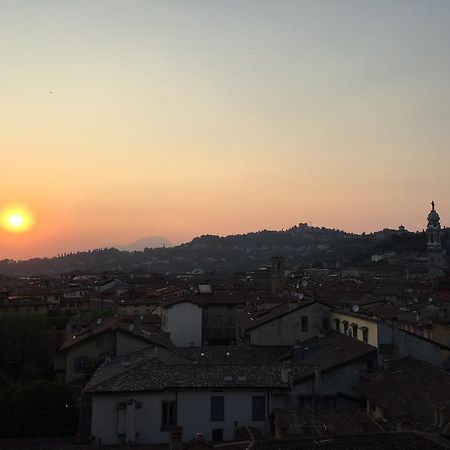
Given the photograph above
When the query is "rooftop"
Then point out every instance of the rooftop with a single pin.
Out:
(409, 390)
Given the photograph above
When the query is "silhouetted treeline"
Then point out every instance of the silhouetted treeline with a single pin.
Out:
(33, 403)
(301, 244)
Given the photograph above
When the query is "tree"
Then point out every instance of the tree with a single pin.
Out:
(36, 409)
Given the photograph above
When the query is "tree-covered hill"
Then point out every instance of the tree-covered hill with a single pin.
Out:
(301, 244)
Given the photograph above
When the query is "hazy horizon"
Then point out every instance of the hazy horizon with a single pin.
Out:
(126, 119)
(174, 244)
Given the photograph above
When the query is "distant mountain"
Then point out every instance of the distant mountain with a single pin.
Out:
(301, 245)
(148, 242)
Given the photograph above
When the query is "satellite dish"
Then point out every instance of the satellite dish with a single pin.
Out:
(99, 321)
(305, 284)
(300, 295)
(355, 308)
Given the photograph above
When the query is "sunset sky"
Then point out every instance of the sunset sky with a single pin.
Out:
(126, 119)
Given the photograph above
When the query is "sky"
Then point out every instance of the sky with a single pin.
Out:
(126, 119)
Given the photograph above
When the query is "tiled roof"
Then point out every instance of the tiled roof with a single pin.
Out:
(232, 354)
(177, 368)
(256, 366)
(369, 441)
(151, 376)
(153, 335)
(327, 352)
(108, 324)
(325, 422)
(250, 320)
(409, 390)
(140, 329)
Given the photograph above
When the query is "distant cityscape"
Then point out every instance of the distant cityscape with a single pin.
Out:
(297, 339)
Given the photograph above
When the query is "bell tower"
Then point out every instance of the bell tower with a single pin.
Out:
(436, 264)
(277, 275)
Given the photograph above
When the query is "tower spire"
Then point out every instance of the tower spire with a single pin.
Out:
(436, 253)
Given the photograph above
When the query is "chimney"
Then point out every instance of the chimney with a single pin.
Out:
(175, 438)
(286, 376)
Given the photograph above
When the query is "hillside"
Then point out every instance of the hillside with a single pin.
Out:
(300, 244)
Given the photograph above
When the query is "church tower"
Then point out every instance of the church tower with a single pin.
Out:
(277, 275)
(436, 263)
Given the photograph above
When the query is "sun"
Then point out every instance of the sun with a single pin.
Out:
(16, 219)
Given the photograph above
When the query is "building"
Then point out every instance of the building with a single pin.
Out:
(327, 371)
(409, 394)
(385, 333)
(82, 352)
(283, 324)
(211, 390)
(17, 304)
(182, 318)
(277, 276)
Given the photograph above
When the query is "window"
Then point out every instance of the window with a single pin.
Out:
(304, 323)
(217, 434)
(387, 416)
(325, 324)
(355, 330)
(217, 408)
(168, 414)
(99, 342)
(229, 333)
(365, 335)
(304, 401)
(337, 325)
(345, 327)
(79, 364)
(218, 319)
(258, 408)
